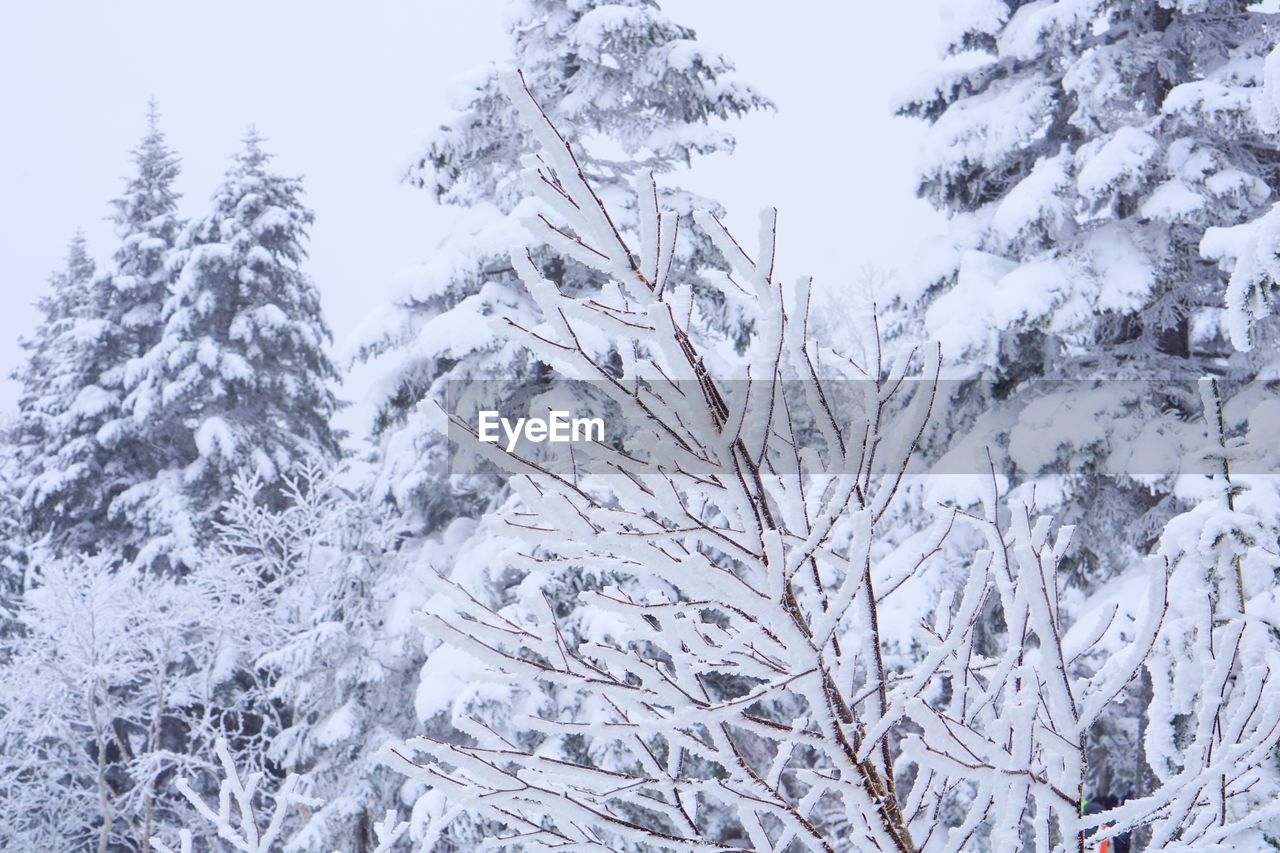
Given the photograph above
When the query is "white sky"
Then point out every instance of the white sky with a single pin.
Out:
(346, 92)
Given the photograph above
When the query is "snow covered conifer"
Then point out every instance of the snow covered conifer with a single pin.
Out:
(1098, 159)
(1091, 154)
(1086, 149)
(239, 378)
(56, 463)
(615, 75)
(148, 223)
(619, 76)
(133, 298)
(90, 451)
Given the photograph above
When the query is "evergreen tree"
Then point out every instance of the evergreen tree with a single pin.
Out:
(55, 463)
(1096, 159)
(13, 536)
(131, 302)
(1084, 151)
(239, 377)
(612, 74)
(79, 452)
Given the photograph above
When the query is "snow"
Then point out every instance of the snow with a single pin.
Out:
(1266, 102)
(1116, 163)
(1209, 101)
(964, 16)
(92, 401)
(987, 128)
(1037, 199)
(592, 29)
(992, 292)
(1172, 201)
(1249, 250)
(1033, 22)
(1077, 426)
(538, 651)
(1124, 274)
(338, 726)
(215, 438)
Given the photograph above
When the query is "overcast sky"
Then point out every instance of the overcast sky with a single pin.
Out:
(346, 92)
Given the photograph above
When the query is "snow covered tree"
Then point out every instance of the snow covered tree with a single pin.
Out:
(129, 301)
(14, 541)
(239, 377)
(116, 679)
(236, 817)
(616, 74)
(1098, 160)
(56, 462)
(330, 653)
(79, 449)
(734, 691)
(1214, 676)
(1090, 155)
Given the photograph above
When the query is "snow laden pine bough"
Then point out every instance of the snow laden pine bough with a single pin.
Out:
(740, 696)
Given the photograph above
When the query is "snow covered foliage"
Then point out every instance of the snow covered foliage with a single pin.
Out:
(236, 817)
(239, 377)
(90, 451)
(56, 461)
(128, 314)
(126, 649)
(1098, 160)
(731, 688)
(1089, 152)
(330, 650)
(114, 680)
(1215, 697)
(637, 93)
(1087, 148)
(13, 539)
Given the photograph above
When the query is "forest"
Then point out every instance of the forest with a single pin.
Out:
(984, 557)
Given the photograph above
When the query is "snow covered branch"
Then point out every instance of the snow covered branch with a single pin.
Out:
(735, 688)
(236, 820)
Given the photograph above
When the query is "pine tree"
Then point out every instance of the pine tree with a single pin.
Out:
(55, 462)
(1096, 159)
(132, 302)
(1084, 151)
(615, 74)
(80, 452)
(239, 377)
(13, 537)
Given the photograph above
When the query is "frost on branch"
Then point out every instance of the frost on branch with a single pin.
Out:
(734, 690)
(1215, 708)
(235, 817)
